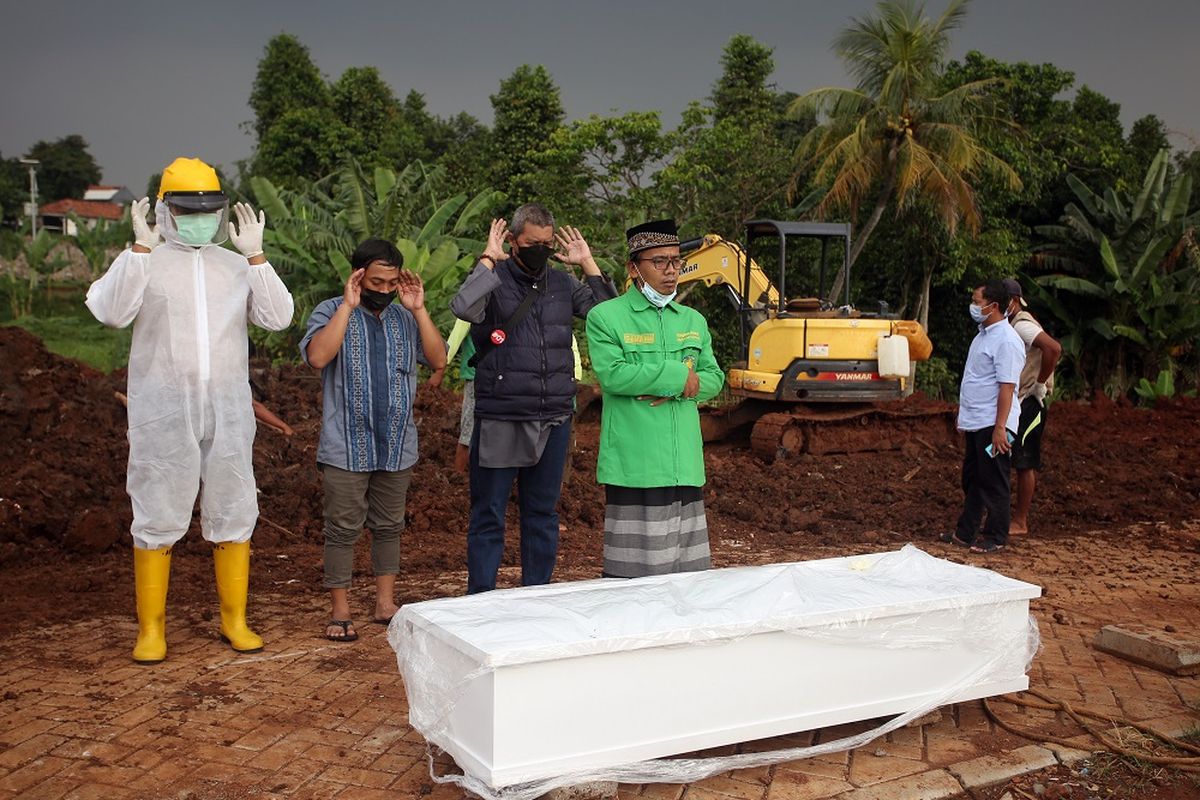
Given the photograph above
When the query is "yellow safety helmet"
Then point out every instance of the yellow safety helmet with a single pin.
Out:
(192, 184)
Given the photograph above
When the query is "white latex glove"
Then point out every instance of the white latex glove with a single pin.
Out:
(1039, 392)
(144, 233)
(247, 236)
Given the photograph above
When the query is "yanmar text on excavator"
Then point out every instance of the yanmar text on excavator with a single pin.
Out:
(811, 360)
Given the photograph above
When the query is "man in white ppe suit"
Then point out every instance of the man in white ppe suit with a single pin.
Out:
(191, 422)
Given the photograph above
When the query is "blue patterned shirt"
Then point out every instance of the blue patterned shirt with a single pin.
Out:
(368, 389)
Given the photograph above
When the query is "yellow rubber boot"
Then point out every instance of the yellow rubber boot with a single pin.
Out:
(151, 569)
(231, 561)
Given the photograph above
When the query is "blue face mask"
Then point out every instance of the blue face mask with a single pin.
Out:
(657, 299)
(977, 313)
(197, 229)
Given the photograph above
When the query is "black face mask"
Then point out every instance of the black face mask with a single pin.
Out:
(533, 259)
(376, 301)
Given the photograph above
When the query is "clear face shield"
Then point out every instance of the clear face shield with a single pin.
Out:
(194, 219)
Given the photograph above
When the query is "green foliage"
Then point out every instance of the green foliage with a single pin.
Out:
(936, 379)
(742, 87)
(14, 190)
(100, 242)
(40, 263)
(304, 144)
(1163, 388)
(899, 136)
(1147, 137)
(306, 128)
(287, 80)
(596, 172)
(1125, 280)
(67, 168)
(528, 110)
(383, 134)
(731, 161)
(314, 229)
(81, 338)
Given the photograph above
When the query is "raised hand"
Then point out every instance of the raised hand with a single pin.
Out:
(144, 234)
(411, 290)
(572, 247)
(352, 294)
(495, 243)
(247, 236)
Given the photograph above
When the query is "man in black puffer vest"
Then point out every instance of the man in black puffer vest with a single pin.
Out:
(521, 312)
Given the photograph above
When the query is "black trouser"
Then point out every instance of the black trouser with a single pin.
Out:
(985, 485)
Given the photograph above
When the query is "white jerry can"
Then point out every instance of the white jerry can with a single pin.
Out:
(893, 357)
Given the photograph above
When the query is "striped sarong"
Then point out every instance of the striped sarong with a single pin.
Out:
(654, 531)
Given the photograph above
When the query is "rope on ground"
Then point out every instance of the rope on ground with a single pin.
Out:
(1080, 715)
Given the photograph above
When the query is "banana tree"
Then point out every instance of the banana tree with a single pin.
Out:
(313, 230)
(101, 242)
(1125, 280)
(40, 260)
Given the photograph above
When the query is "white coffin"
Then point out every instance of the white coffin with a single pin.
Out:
(526, 684)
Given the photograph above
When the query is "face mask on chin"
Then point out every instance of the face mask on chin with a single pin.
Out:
(197, 229)
(376, 301)
(656, 298)
(533, 258)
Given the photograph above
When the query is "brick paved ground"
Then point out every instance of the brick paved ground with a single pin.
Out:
(309, 718)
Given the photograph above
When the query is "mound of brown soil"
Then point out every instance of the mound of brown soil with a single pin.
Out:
(62, 438)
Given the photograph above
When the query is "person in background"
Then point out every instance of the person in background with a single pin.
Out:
(988, 415)
(367, 348)
(654, 360)
(461, 342)
(1042, 352)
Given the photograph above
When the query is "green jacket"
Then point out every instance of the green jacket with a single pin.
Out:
(638, 350)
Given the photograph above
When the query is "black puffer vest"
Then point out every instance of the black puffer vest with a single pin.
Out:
(532, 375)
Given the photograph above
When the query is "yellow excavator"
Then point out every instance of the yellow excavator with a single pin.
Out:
(816, 369)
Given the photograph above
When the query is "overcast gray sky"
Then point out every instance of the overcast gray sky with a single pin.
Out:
(144, 82)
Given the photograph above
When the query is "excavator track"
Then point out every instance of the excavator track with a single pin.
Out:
(829, 431)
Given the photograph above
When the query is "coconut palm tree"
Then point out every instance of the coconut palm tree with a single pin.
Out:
(898, 136)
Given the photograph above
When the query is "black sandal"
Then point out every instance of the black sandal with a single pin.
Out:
(347, 634)
(987, 547)
(952, 538)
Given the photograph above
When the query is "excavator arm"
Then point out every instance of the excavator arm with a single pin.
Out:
(715, 261)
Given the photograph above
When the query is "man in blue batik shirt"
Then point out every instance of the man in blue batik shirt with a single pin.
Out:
(367, 349)
(988, 416)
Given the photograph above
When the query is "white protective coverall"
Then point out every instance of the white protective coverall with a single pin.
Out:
(190, 415)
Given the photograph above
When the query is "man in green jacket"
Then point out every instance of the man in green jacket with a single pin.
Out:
(655, 364)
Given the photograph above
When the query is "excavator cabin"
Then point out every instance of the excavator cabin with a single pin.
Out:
(805, 346)
(811, 360)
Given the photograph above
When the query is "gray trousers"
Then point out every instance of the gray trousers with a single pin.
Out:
(352, 500)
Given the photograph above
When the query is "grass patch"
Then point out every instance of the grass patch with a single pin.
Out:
(81, 338)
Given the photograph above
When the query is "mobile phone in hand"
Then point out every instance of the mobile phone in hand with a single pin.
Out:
(1008, 435)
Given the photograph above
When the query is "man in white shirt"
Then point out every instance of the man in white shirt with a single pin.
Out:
(988, 417)
(1037, 381)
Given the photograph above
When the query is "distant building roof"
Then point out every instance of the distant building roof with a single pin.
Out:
(108, 193)
(85, 209)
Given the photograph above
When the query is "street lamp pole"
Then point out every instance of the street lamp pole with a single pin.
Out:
(32, 163)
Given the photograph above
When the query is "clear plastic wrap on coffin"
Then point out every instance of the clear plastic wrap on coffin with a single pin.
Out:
(534, 688)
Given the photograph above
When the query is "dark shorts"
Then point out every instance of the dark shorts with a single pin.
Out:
(1027, 449)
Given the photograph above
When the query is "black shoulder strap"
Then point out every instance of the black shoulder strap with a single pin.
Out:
(511, 324)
